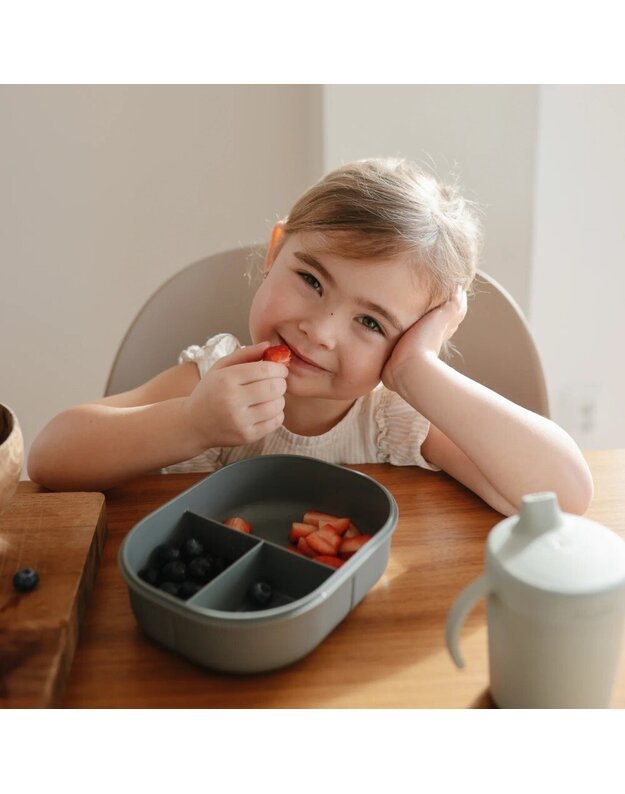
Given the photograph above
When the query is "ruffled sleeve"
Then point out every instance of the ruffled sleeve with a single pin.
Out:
(204, 357)
(401, 432)
(211, 351)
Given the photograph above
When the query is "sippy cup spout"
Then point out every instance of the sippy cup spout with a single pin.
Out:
(539, 513)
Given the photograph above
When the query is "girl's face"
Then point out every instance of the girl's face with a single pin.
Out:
(341, 318)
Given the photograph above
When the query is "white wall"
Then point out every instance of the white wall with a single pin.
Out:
(106, 191)
(579, 258)
(484, 134)
(547, 164)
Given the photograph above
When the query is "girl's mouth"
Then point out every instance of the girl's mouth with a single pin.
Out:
(299, 361)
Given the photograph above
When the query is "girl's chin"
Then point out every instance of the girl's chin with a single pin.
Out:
(307, 388)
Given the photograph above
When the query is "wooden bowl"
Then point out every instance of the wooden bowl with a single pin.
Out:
(11, 455)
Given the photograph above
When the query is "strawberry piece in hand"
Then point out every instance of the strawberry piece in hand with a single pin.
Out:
(278, 353)
(238, 523)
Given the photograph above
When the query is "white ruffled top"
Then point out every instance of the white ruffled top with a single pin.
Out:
(379, 428)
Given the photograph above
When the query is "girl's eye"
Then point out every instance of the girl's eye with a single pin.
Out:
(371, 324)
(310, 279)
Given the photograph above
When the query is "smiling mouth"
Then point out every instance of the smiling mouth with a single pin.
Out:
(299, 360)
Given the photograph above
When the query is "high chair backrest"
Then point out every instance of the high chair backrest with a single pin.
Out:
(494, 343)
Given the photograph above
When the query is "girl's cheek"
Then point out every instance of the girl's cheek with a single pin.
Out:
(255, 331)
(260, 318)
(268, 310)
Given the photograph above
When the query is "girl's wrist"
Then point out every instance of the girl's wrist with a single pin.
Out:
(406, 377)
(194, 440)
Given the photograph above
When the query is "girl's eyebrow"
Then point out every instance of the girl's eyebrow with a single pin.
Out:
(309, 259)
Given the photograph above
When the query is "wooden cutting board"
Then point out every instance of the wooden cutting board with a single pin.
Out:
(61, 536)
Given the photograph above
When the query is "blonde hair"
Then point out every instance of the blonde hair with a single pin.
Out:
(386, 207)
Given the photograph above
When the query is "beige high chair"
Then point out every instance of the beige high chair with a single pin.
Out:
(494, 343)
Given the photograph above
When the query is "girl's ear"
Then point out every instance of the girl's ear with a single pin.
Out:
(275, 244)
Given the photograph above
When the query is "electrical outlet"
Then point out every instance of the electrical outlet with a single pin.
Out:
(579, 405)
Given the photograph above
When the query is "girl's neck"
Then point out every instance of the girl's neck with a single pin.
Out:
(310, 416)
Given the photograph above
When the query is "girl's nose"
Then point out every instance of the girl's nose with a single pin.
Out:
(321, 329)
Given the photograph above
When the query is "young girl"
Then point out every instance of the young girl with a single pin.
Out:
(365, 282)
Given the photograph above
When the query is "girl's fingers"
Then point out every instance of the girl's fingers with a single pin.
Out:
(258, 371)
(261, 391)
(243, 355)
(269, 425)
(266, 411)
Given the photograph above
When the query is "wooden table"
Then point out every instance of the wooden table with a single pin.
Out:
(388, 653)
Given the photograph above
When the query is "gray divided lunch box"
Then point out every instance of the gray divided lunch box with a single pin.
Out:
(220, 627)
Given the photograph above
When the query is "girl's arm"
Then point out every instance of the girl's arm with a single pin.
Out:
(171, 418)
(101, 443)
(495, 447)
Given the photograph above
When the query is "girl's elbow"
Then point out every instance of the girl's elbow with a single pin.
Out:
(40, 468)
(33, 465)
(579, 495)
(36, 471)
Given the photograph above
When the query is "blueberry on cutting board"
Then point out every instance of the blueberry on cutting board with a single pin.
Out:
(26, 580)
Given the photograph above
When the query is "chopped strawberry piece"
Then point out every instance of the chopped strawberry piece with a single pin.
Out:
(281, 354)
(330, 534)
(304, 548)
(314, 517)
(299, 530)
(338, 529)
(238, 523)
(350, 546)
(352, 531)
(324, 541)
(328, 559)
(339, 525)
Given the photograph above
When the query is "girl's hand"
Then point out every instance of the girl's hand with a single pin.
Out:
(239, 400)
(425, 338)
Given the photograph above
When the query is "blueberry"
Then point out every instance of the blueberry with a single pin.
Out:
(174, 572)
(261, 593)
(201, 569)
(149, 575)
(169, 587)
(192, 548)
(189, 588)
(167, 552)
(26, 580)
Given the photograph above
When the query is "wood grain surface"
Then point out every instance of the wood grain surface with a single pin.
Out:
(61, 536)
(388, 652)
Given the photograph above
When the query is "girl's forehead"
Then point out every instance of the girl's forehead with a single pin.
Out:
(351, 248)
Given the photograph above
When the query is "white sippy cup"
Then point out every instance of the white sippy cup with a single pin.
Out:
(555, 597)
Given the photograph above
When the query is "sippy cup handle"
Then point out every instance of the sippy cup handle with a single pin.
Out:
(458, 613)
